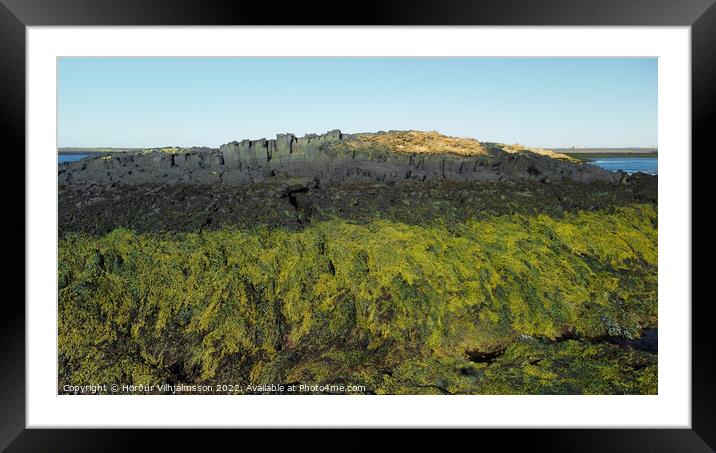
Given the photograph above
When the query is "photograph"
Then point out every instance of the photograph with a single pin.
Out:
(343, 225)
(418, 216)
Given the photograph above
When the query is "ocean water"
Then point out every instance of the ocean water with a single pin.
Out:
(628, 164)
(62, 158)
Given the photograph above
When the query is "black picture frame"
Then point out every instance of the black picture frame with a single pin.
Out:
(16, 15)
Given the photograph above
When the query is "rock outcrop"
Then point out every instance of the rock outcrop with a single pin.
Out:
(322, 159)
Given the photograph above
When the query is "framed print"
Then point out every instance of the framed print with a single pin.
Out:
(471, 215)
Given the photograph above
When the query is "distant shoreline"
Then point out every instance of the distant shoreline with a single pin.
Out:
(592, 156)
(76, 151)
(606, 150)
(600, 153)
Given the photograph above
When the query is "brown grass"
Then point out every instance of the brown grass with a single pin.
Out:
(418, 142)
(436, 143)
(517, 148)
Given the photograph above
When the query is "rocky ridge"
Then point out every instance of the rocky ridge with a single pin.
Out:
(330, 158)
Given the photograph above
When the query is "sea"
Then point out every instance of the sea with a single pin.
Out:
(628, 164)
(62, 158)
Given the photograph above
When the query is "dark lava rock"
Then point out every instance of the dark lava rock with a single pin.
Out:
(320, 157)
(188, 207)
(289, 182)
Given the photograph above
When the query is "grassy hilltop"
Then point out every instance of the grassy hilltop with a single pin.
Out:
(435, 143)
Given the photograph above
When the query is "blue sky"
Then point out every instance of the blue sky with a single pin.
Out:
(549, 102)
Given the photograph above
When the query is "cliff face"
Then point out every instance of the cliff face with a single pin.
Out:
(330, 158)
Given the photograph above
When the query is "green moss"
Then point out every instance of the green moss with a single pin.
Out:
(342, 300)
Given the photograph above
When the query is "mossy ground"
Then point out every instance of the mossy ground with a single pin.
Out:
(395, 307)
